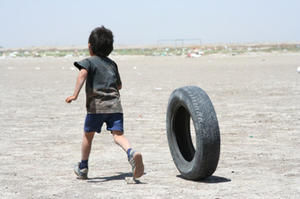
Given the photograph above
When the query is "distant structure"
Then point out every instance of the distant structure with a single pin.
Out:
(178, 43)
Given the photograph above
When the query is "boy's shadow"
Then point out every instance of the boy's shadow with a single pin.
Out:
(211, 179)
(119, 176)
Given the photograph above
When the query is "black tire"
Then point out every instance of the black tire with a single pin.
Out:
(185, 103)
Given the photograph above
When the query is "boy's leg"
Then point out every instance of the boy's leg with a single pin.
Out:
(134, 158)
(115, 125)
(121, 140)
(86, 145)
(93, 123)
(81, 169)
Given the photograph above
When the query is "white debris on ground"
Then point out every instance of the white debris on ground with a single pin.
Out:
(195, 53)
(68, 55)
(13, 54)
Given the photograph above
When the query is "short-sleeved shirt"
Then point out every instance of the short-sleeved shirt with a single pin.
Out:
(103, 80)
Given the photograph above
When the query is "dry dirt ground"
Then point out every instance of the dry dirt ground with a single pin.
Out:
(256, 98)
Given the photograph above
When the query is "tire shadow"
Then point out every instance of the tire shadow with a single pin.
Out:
(119, 176)
(210, 180)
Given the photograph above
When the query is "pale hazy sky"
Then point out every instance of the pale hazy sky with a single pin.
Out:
(26, 23)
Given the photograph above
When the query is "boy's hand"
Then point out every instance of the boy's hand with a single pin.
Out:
(70, 99)
(79, 82)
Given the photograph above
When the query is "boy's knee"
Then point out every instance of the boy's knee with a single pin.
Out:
(117, 133)
(89, 136)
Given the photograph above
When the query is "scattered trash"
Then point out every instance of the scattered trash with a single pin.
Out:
(195, 53)
(13, 54)
(298, 69)
(158, 89)
(172, 50)
(68, 55)
(36, 54)
(250, 136)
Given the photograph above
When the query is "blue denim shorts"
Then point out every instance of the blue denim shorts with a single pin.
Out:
(94, 122)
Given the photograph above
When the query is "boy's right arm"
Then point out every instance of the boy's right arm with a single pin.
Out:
(79, 83)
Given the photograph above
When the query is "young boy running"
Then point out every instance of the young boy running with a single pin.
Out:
(102, 100)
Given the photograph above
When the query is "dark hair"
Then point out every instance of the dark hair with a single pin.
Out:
(101, 41)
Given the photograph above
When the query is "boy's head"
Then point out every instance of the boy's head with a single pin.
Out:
(101, 41)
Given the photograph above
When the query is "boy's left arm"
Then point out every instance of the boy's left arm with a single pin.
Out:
(79, 83)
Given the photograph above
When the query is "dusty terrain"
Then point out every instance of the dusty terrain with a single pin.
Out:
(256, 97)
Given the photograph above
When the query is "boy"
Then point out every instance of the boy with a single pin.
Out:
(102, 100)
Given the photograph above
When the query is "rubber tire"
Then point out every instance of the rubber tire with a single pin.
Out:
(185, 103)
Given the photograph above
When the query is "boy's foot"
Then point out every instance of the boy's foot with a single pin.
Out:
(136, 161)
(81, 173)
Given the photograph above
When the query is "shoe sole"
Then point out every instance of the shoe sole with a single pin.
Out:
(139, 166)
(80, 177)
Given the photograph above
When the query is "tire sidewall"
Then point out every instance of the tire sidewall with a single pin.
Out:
(180, 98)
(203, 117)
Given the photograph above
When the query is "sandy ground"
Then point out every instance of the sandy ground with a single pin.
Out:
(256, 98)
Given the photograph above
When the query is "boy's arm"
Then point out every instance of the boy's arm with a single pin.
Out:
(79, 83)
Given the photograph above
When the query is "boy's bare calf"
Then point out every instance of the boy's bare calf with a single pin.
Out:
(121, 140)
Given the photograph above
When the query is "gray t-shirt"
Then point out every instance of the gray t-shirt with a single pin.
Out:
(102, 94)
